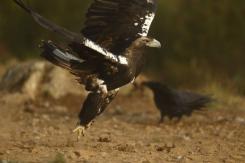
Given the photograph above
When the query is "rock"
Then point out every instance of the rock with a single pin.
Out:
(15, 77)
(60, 83)
(39, 77)
(34, 78)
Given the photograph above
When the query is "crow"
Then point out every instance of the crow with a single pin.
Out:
(174, 103)
(108, 53)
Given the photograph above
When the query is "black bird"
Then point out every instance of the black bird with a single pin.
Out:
(174, 103)
(107, 54)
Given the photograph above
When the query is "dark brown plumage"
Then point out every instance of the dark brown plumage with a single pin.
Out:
(109, 52)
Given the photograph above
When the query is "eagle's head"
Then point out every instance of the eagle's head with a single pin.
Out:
(146, 42)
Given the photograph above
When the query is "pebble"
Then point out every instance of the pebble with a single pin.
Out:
(7, 152)
(104, 154)
(104, 139)
(78, 153)
(240, 120)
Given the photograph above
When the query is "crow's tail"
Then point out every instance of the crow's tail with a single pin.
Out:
(200, 101)
(194, 101)
(185, 103)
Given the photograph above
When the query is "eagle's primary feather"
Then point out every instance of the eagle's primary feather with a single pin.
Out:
(115, 24)
(107, 54)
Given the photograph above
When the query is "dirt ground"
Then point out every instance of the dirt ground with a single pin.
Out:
(128, 132)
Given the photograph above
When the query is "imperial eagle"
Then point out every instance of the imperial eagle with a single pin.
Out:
(107, 54)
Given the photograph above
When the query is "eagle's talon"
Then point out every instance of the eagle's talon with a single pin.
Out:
(80, 130)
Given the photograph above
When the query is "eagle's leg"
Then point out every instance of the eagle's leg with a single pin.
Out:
(88, 112)
(109, 98)
(93, 106)
(94, 84)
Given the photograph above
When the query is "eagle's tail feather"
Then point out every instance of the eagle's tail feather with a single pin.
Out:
(58, 56)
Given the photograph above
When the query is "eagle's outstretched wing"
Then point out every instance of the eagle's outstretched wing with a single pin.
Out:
(115, 24)
(75, 38)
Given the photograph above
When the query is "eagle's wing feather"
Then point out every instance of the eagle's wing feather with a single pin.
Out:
(59, 57)
(100, 52)
(115, 24)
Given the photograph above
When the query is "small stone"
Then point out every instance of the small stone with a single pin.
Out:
(179, 157)
(78, 153)
(104, 139)
(160, 149)
(240, 120)
(60, 109)
(104, 154)
(125, 148)
(46, 117)
(7, 152)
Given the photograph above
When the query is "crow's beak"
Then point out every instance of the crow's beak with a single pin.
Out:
(154, 44)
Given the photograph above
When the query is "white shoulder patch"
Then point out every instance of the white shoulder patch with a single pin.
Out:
(108, 55)
(147, 23)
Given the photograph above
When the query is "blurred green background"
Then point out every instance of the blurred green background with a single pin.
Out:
(205, 39)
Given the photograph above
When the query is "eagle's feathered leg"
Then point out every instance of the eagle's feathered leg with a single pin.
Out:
(94, 84)
(110, 96)
(93, 106)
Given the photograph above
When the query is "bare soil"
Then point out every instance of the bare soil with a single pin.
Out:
(41, 131)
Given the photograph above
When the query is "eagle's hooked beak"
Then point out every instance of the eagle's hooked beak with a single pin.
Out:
(154, 44)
